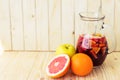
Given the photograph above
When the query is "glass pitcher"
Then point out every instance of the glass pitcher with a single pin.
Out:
(96, 39)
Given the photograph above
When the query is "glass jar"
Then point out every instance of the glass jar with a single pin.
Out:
(95, 37)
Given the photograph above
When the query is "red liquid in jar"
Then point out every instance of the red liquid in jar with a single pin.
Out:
(94, 46)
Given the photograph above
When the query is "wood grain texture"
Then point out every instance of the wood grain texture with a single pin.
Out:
(17, 24)
(22, 64)
(31, 66)
(5, 60)
(67, 21)
(42, 25)
(108, 7)
(29, 24)
(117, 24)
(5, 25)
(40, 68)
(93, 5)
(54, 23)
(108, 11)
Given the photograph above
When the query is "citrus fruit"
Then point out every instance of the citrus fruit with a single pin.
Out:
(58, 66)
(81, 64)
(68, 49)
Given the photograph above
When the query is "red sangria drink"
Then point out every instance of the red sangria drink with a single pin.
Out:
(94, 45)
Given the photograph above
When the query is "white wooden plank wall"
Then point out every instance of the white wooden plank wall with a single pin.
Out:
(29, 24)
(67, 21)
(54, 12)
(16, 21)
(42, 25)
(117, 23)
(5, 24)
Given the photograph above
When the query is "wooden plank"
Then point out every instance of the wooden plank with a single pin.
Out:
(42, 24)
(16, 24)
(117, 24)
(29, 24)
(109, 67)
(80, 6)
(5, 31)
(35, 71)
(32, 65)
(93, 5)
(108, 11)
(5, 59)
(67, 21)
(54, 23)
(20, 68)
(38, 70)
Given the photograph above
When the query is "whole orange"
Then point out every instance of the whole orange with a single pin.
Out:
(81, 64)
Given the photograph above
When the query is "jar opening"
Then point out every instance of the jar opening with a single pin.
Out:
(91, 16)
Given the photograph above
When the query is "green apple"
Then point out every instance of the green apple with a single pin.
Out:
(68, 49)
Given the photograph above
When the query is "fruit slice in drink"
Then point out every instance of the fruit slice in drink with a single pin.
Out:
(93, 45)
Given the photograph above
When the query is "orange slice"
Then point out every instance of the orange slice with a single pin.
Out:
(101, 45)
(96, 49)
(93, 53)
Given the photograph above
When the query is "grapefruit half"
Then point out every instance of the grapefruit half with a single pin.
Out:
(58, 66)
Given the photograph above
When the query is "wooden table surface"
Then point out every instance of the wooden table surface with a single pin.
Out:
(31, 66)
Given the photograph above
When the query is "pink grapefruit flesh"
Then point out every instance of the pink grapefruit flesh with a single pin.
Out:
(58, 66)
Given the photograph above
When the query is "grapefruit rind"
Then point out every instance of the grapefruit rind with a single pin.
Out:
(63, 71)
